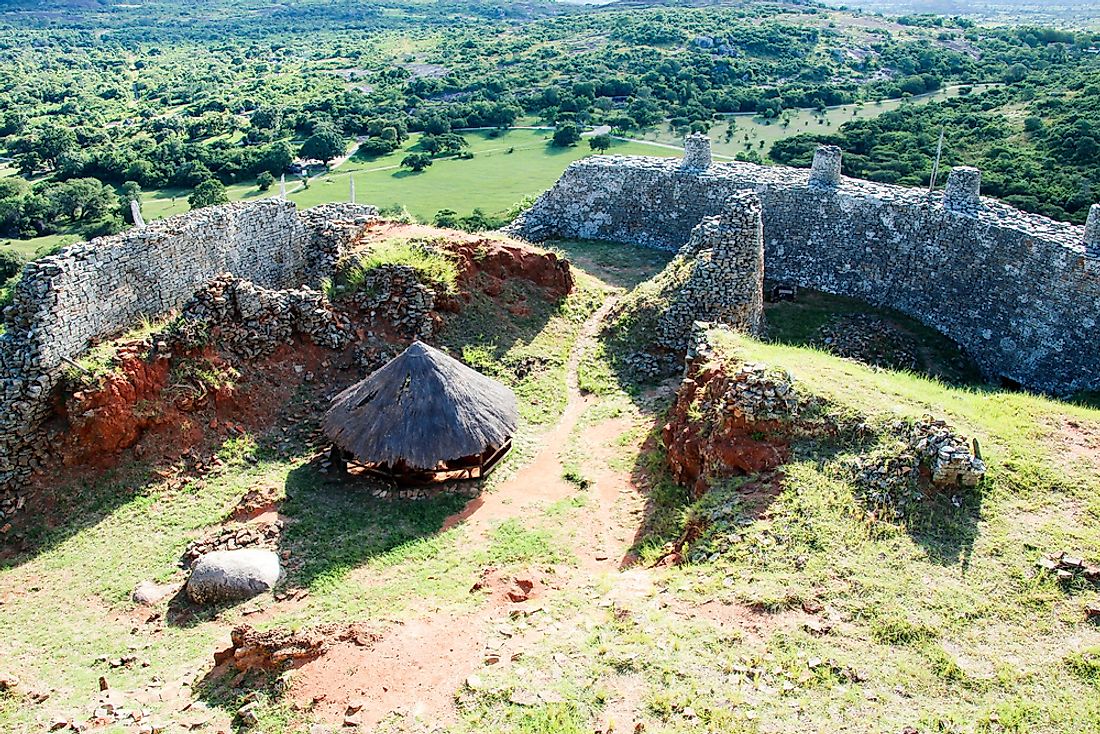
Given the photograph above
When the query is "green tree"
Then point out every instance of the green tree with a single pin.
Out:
(567, 134)
(11, 262)
(265, 180)
(210, 192)
(324, 145)
(416, 161)
(599, 142)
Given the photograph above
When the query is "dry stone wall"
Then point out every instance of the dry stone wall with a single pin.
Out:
(1019, 291)
(94, 290)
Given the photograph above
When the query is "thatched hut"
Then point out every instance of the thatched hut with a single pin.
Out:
(422, 416)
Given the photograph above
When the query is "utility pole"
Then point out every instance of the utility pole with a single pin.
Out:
(936, 165)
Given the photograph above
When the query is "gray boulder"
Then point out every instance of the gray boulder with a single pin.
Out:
(233, 575)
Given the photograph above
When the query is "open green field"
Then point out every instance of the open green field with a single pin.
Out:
(504, 169)
(751, 132)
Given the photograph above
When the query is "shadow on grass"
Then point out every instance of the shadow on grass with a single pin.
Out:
(334, 526)
(55, 514)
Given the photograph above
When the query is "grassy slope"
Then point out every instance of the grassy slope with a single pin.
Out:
(944, 621)
(360, 558)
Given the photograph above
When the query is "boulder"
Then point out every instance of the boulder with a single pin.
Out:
(233, 575)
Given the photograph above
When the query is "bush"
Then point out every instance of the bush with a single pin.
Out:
(433, 267)
(265, 180)
(11, 262)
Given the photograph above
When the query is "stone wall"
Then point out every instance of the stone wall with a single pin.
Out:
(66, 302)
(1019, 291)
(717, 276)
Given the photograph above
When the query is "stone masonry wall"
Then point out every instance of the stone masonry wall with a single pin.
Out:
(1019, 291)
(95, 290)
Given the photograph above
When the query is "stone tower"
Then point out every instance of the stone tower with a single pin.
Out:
(963, 192)
(826, 167)
(725, 259)
(1092, 232)
(696, 153)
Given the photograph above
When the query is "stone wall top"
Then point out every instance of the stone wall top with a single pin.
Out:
(991, 211)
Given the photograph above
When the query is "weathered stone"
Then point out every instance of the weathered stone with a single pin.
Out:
(233, 575)
(1013, 289)
(149, 592)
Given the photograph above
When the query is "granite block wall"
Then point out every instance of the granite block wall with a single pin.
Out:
(1019, 291)
(66, 302)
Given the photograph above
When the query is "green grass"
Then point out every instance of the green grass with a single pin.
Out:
(492, 180)
(433, 267)
(762, 133)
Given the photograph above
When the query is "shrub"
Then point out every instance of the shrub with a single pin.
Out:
(433, 267)
(11, 262)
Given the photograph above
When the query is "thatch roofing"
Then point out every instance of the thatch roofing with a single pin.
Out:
(422, 408)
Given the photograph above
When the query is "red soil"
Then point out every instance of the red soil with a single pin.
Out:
(700, 450)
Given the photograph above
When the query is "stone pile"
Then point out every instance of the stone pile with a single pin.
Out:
(928, 456)
(947, 454)
(760, 394)
(395, 294)
(253, 535)
(252, 321)
(868, 339)
(1032, 319)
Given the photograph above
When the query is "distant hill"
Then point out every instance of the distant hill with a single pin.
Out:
(1068, 12)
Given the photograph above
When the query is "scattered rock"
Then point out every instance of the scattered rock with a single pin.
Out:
(149, 592)
(271, 650)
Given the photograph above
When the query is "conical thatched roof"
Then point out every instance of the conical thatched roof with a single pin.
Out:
(421, 408)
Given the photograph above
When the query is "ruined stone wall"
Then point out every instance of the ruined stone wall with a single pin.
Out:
(1020, 292)
(94, 290)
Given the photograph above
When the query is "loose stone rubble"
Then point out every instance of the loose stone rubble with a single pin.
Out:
(1019, 292)
(1067, 567)
(868, 339)
(927, 456)
(394, 293)
(251, 321)
(251, 535)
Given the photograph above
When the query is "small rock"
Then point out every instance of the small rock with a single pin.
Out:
(149, 593)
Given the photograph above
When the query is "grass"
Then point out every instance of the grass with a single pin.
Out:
(433, 267)
(504, 169)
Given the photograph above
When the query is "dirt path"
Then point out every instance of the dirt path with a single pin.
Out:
(540, 482)
(415, 667)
